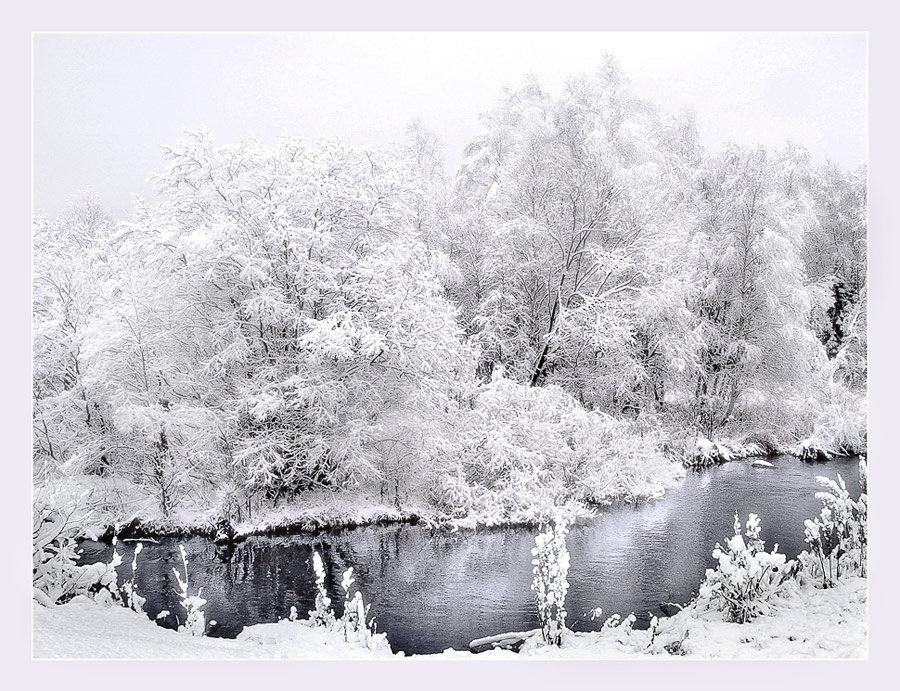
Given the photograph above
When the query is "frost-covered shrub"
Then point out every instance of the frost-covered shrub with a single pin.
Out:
(102, 581)
(746, 576)
(528, 453)
(54, 552)
(707, 452)
(195, 619)
(862, 517)
(832, 421)
(550, 583)
(322, 615)
(56, 577)
(354, 623)
(838, 536)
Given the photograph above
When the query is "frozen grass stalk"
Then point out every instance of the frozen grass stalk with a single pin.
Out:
(195, 622)
(322, 615)
(135, 600)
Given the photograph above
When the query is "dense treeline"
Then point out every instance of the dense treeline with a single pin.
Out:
(592, 288)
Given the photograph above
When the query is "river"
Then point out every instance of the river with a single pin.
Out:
(434, 589)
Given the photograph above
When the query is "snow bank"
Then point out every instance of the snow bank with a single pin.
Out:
(807, 622)
(84, 628)
(708, 452)
(316, 512)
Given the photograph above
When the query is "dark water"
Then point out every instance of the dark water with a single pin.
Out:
(432, 589)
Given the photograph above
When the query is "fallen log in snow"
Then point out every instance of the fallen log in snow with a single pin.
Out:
(508, 641)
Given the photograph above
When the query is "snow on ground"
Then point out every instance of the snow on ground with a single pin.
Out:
(809, 623)
(85, 629)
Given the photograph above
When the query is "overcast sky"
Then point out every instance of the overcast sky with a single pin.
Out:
(103, 103)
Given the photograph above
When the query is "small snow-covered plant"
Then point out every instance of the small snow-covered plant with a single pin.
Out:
(862, 517)
(837, 537)
(322, 615)
(195, 621)
(100, 581)
(615, 621)
(135, 601)
(353, 622)
(746, 576)
(550, 583)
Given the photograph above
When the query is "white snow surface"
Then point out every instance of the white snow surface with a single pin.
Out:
(85, 629)
(808, 623)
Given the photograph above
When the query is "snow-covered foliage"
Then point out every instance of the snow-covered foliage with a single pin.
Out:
(550, 583)
(56, 576)
(354, 622)
(834, 420)
(133, 599)
(195, 619)
(838, 536)
(322, 615)
(528, 453)
(323, 317)
(354, 625)
(707, 452)
(747, 577)
(54, 573)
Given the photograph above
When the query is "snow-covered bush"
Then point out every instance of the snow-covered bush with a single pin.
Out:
(102, 581)
(838, 536)
(862, 517)
(195, 619)
(550, 583)
(322, 615)
(353, 622)
(746, 576)
(837, 424)
(56, 577)
(54, 551)
(707, 452)
(527, 454)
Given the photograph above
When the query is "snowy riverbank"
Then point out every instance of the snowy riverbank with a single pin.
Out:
(807, 622)
(133, 515)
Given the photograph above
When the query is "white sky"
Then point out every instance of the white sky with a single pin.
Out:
(103, 103)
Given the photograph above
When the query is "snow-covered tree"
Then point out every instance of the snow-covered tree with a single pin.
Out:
(323, 304)
(70, 264)
(576, 243)
(754, 303)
